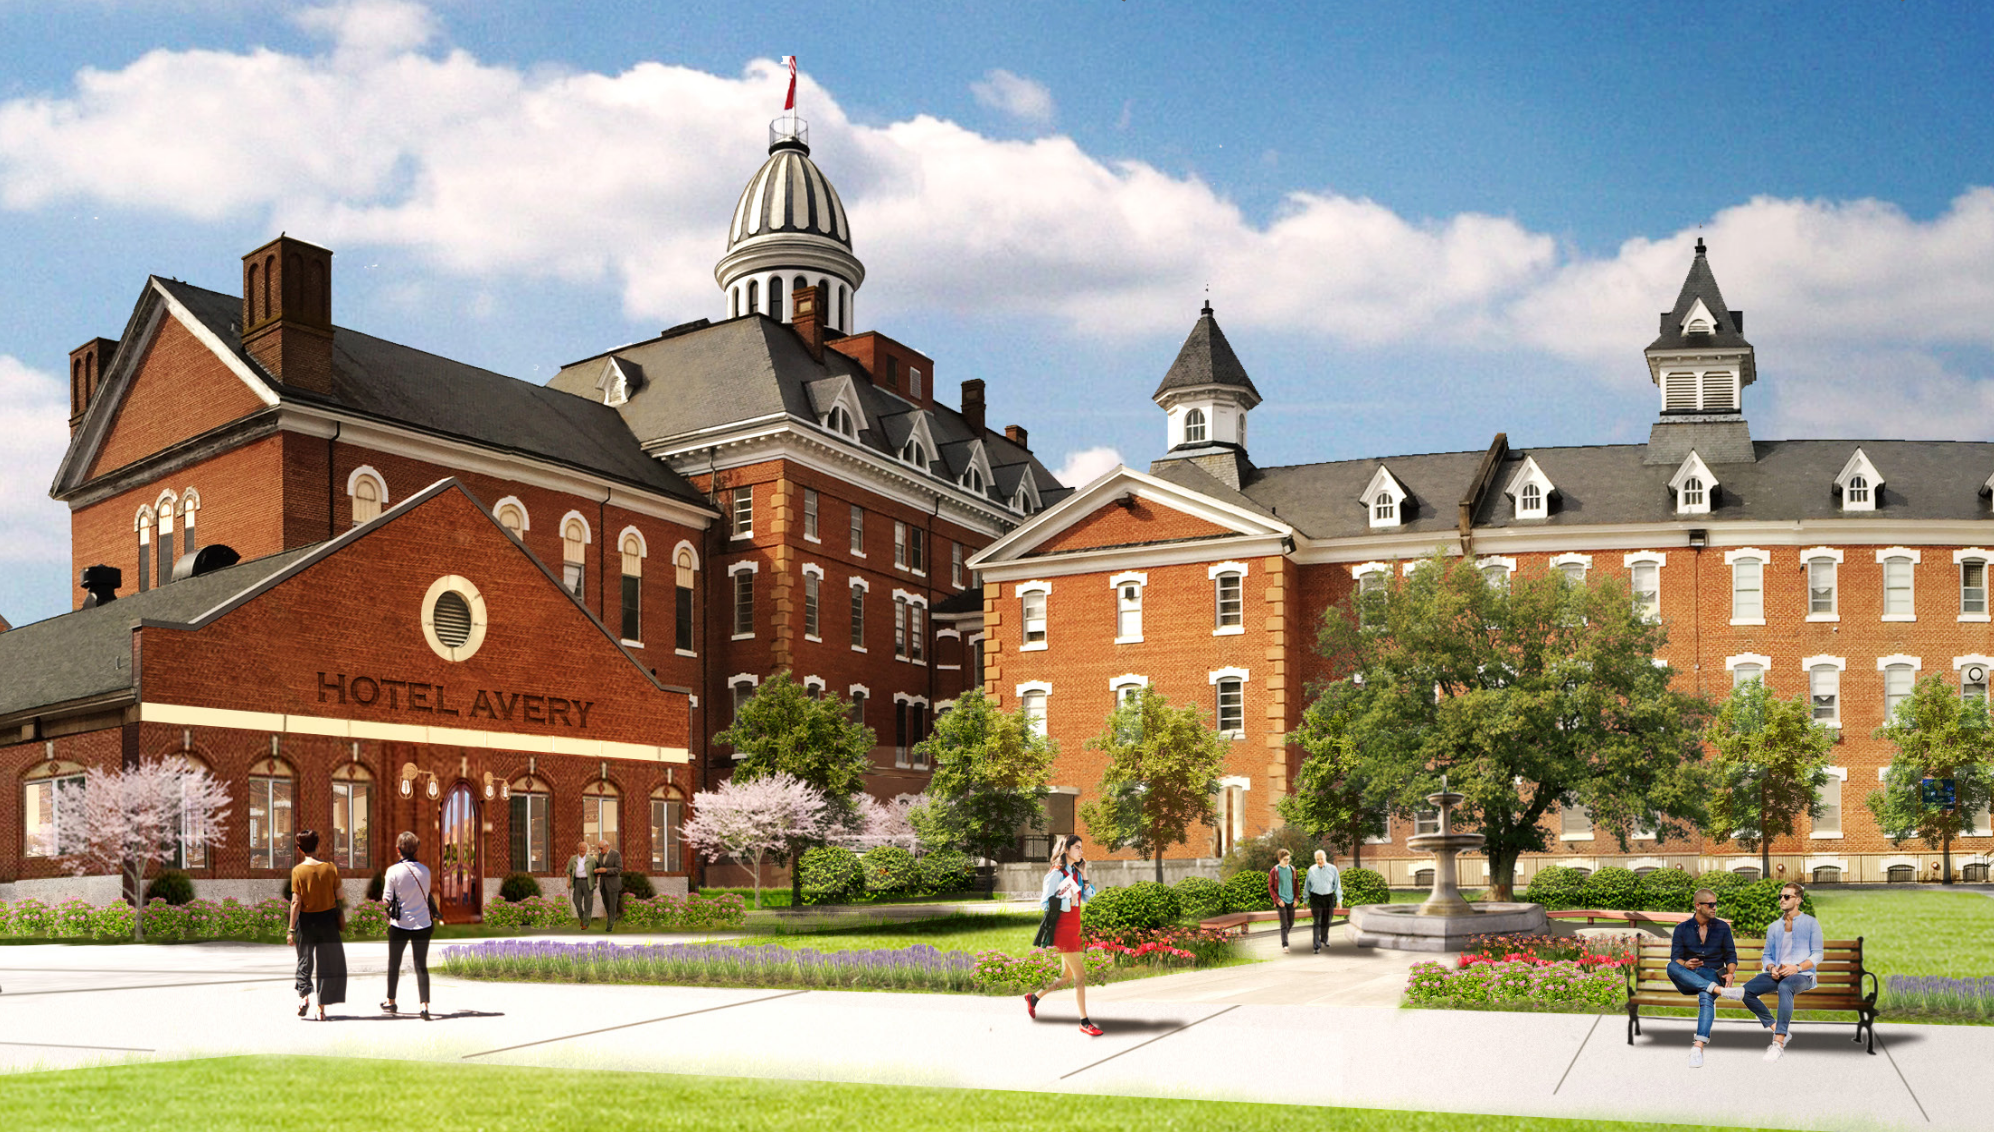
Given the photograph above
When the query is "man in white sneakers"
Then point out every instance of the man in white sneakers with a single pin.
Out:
(1702, 956)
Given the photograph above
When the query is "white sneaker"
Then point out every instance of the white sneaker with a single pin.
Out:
(1774, 1050)
(1696, 1057)
(1735, 994)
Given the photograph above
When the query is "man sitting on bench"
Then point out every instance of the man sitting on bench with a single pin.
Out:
(1702, 956)
(1793, 952)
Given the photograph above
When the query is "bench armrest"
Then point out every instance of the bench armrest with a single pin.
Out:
(1875, 987)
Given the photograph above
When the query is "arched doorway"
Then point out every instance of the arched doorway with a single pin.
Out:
(458, 883)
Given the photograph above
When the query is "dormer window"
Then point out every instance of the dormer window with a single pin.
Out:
(839, 420)
(1699, 320)
(1695, 487)
(973, 479)
(1860, 483)
(913, 453)
(1530, 501)
(1022, 501)
(1531, 490)
(619, 379)
(1194, 426)
(1384, 500)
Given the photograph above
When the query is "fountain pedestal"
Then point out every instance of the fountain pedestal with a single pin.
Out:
(1446, 921)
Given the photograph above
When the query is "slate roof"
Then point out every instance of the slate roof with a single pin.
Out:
(387, 381)
(1206, 359)
(753, 366)
(88, 652)
(1321, 500)
(1700, 283)
(969, 601)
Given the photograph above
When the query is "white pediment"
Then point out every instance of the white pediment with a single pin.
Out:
(1384, 499)
(976, 472)
(1695, 487)
(1123, 485)
(1530, 490)
(1699, 320)
(918, 433)
(1859, 483)
(832, 396)
(618, 380)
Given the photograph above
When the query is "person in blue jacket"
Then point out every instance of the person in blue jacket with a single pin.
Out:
(1794, 948)
(1066, 881)
(1702, 956)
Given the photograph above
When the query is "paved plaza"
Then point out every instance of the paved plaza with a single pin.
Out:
(1299, 1029)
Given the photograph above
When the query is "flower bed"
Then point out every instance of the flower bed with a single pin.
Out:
(1526, 973)
(1173, 946)
(694, 913)
(194, 920)
(1938, 996)
(919, 967)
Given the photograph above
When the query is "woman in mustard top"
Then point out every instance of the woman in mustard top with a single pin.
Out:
(316, 921)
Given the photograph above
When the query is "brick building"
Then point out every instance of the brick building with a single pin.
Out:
(285, 503)
(1843, 569)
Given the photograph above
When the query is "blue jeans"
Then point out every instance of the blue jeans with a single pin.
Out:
(1787, 987)
(1703, 983)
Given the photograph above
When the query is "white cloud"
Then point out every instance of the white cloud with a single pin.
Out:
(1027, 100)
(1086, 465)
(35, 407)
(497, 172)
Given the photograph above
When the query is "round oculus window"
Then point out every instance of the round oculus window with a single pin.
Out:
(453, 618)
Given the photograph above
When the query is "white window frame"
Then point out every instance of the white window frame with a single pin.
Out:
(1216, 679)
(751, 567)
(1840, 777)
(1582, 561)
(1749, 557)
(1658, 560)
(1384, 500)
(1213, 573)
(1121, 686)
(1809, 558)
(1859, 467)
(1026, 620)
(858, 623)
(813, 600)
(1370, 577)
(1837, 665)
(353, 478)
(525, 516)
(741, 506)
(1042, 689)
(1123, 606)
(812, 506)
(1883, 559)
(1496, 561)
(1748, 660)
(1591, 831)
(1883, 666)
(1986, 559)
(1960, 663)
(855, 531)
(1693, 468)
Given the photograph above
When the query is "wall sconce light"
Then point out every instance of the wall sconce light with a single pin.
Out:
(432, 786)
(408, 788)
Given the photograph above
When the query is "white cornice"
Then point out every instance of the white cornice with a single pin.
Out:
(1119, 558)
(464, 456)
(1364, 548)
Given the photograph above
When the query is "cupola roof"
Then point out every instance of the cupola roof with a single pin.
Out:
(789, 195)
(1206, 359)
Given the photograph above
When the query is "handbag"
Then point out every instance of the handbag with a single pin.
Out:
(1050, 924)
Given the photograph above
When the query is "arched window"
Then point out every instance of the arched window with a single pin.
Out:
(1021, 501)
(272, 787)
(633, 586)
(142, 525)
(601, 802)
(840, 421)
(1531, 500)
(973, 479)
(352, 812)
(754, 296)
(914, 453)
(1692, 492)
(844, 309)
(195, 855)
(190, 509)
(685, 566)
(47, 805)
(795, 285)
(574, 555)
(1194, 426)
(531, 830)
(256, 313)
(776, 309)
(162, 570)
(512, 516)
(1858, 489)
(1384, 509)
(369, 493)
(1034, 703)
(667, 815)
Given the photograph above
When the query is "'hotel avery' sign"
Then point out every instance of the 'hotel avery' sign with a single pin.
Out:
(437, 699)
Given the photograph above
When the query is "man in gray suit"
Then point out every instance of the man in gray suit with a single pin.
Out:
(609, 878)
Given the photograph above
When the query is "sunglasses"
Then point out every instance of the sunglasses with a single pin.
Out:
(1706, 904)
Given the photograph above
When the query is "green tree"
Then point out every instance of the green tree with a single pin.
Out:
(1163, 766)
(1771, 762)
(1530, 693)
(1943, 735)
(991, 774)
(1330, 800)
(782, 728)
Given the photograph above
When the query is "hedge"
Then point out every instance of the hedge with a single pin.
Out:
(1611, 887)
(890, 871)
(1200, 898)
(830, 874)
(1247, 892)
(1664, 890)
(1364, 886)
(1141, 906)
(948, 870)
(1556, 887)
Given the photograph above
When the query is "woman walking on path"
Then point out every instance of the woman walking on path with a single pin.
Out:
(581, 883)
(1066, 882)
(410, 923)
(1794, 948)
(316, 921)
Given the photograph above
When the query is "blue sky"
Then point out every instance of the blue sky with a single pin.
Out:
(1419, 223)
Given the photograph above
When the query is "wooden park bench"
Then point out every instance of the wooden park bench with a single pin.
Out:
(1237, 922)
(1838, 986)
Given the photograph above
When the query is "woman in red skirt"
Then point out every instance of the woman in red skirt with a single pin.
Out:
(1066, 882)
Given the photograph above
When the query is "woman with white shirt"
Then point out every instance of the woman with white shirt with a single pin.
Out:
(1794, 948)
(1066, 882)
(406, 888)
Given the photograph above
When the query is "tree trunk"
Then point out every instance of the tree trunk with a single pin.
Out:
(758, 882)
(135, 875)
(1502, 876)
(1945, 854)
(1159, 864)
(795, 880)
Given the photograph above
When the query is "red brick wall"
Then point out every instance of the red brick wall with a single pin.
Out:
(102, 748)
(1138, 523)
(180, 390)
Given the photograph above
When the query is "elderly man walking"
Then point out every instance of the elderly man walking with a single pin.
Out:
(1325, 887)
(609, 880)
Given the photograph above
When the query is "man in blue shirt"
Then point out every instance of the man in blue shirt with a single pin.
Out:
(1702, 956)
(1325, 887)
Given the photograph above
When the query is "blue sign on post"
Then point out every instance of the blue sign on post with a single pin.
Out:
(1940, 792)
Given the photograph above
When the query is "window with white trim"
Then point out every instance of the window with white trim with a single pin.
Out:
(1194, 426)
(899, 627)
(142, 526)
(1898, 602)
(602, 805)
(1898, 680)
(914, 452)
(574, 556)
(1496, 571)
(1033, 698)
(1127, 688)
(955, 565)
(1747, 670)
(511, 515)
(1973, 681)
(1822, 568)
(49, 798)
(1973, 588)
(744, 603)
(369, 495)
(1228, 600)
(1645, 579)
(1748, 567)
(1128, 606)
(744, 512)
(914, 383)
(1829, 798)
(858, 614)
(1824, 692)
(667, 813)
(1032, 604)
(858, 531)
(632, 602)
(812, 583)
(1230, 693)
(685, 569)
(1371, 596)
(532, 820)
(1572, 566)
(1425, 822)
(810, 514)
(917, 632)
(1574, 823)
(272, 786)
(1529, 505)
(840, 421)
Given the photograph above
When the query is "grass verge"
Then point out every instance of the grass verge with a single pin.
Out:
(279, 1094)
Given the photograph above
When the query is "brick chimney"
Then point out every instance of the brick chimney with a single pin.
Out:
(86, 370)
(1017, 435)
(287, 312)
(807, 318)
(972, 405)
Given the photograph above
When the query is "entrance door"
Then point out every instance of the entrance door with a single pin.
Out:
(458, 885)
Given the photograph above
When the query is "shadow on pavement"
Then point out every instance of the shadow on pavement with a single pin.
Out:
(412, 1016)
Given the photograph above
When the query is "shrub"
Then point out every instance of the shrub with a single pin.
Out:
(1247, 892)
(113, 921)
(1610, 887)
(1555, 887)
(1364, 886)
(1664, 890)
(1752, 906)
(270, 918)
(949, 870)
(377, 885)
(1719, 881)
(831, 874)
(1262, 853)
(172, 886)
(73, 919)
(684, 913)
(890, 871)
(1200, 898)
(999, 973)
(368, 921)
(165, 921)
(637, 886)
(517, 887)
(30, 918)
(1142, 906)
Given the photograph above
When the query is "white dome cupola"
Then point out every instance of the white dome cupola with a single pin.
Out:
(789, 231)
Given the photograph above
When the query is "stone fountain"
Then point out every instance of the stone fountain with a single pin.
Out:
(1446, 921)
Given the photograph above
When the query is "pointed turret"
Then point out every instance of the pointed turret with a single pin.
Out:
(1700, 364)
(1205, 396)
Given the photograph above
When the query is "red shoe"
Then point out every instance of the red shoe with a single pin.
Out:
(1090, 1029)
(1032, 1006)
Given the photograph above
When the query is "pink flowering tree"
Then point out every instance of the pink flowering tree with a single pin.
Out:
(126, 821)
(884, 823)
(748, 820)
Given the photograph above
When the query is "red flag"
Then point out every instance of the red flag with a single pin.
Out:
(789, 103)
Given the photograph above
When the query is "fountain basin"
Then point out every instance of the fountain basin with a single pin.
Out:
(1406, 927)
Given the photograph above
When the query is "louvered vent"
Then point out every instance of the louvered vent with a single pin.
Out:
(453, 619)
(1679, 391)
(1717, 391)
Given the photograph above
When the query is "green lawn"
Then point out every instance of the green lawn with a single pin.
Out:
(283, 1093)
(1920, 932)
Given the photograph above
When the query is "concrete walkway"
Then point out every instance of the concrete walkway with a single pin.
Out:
(1328, 1021)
